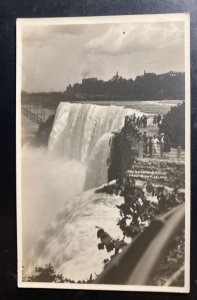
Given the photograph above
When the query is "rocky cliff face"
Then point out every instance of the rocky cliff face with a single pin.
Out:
(123, 149)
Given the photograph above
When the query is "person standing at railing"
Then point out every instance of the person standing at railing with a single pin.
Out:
(166, 145)
(155, 120)
(138, 122)
(162, 144)
(145, 142)
(150, 146)
(134, 118)
(158, 120)
(144, 121)
(155, 146)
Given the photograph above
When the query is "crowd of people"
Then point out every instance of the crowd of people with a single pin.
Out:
(153, 145)
(133, 120)
(142, 121)
(156, 145)
(157, 119)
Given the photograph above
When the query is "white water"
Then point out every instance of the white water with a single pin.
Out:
(97, 171)
(58, 218)
(47, 184)
(83, 132)
(69, 242)
(78, 127)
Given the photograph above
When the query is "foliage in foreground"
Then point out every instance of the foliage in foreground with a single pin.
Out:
(136, 213)
(47, 273)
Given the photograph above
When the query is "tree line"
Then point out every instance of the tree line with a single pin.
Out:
(149, 86)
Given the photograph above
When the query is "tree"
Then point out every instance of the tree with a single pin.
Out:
(173, 125)
(46, 274)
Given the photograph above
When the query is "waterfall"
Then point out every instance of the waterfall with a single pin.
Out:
(58, 217)
(83, 132)
(97, 172)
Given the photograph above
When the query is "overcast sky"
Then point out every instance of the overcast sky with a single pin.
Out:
(56, 55)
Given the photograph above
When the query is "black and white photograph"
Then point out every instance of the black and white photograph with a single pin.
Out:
(103, 152)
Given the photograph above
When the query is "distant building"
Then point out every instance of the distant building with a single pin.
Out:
(115, 77)
(88, 80)
(81, 96)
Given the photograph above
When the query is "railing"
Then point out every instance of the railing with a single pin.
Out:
(140, 260)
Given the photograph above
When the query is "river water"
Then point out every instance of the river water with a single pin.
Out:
(58, 216)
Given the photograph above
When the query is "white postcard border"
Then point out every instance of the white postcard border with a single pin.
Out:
(105, 20)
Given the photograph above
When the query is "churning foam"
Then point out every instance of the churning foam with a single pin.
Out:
(59, 219)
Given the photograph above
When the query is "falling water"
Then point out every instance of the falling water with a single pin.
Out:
(83, 132)
(78, 127)
(59, 219)
(97, 172)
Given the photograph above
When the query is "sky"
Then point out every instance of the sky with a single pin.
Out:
(54, 56)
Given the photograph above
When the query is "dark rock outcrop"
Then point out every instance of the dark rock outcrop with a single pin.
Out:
(123, 149)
